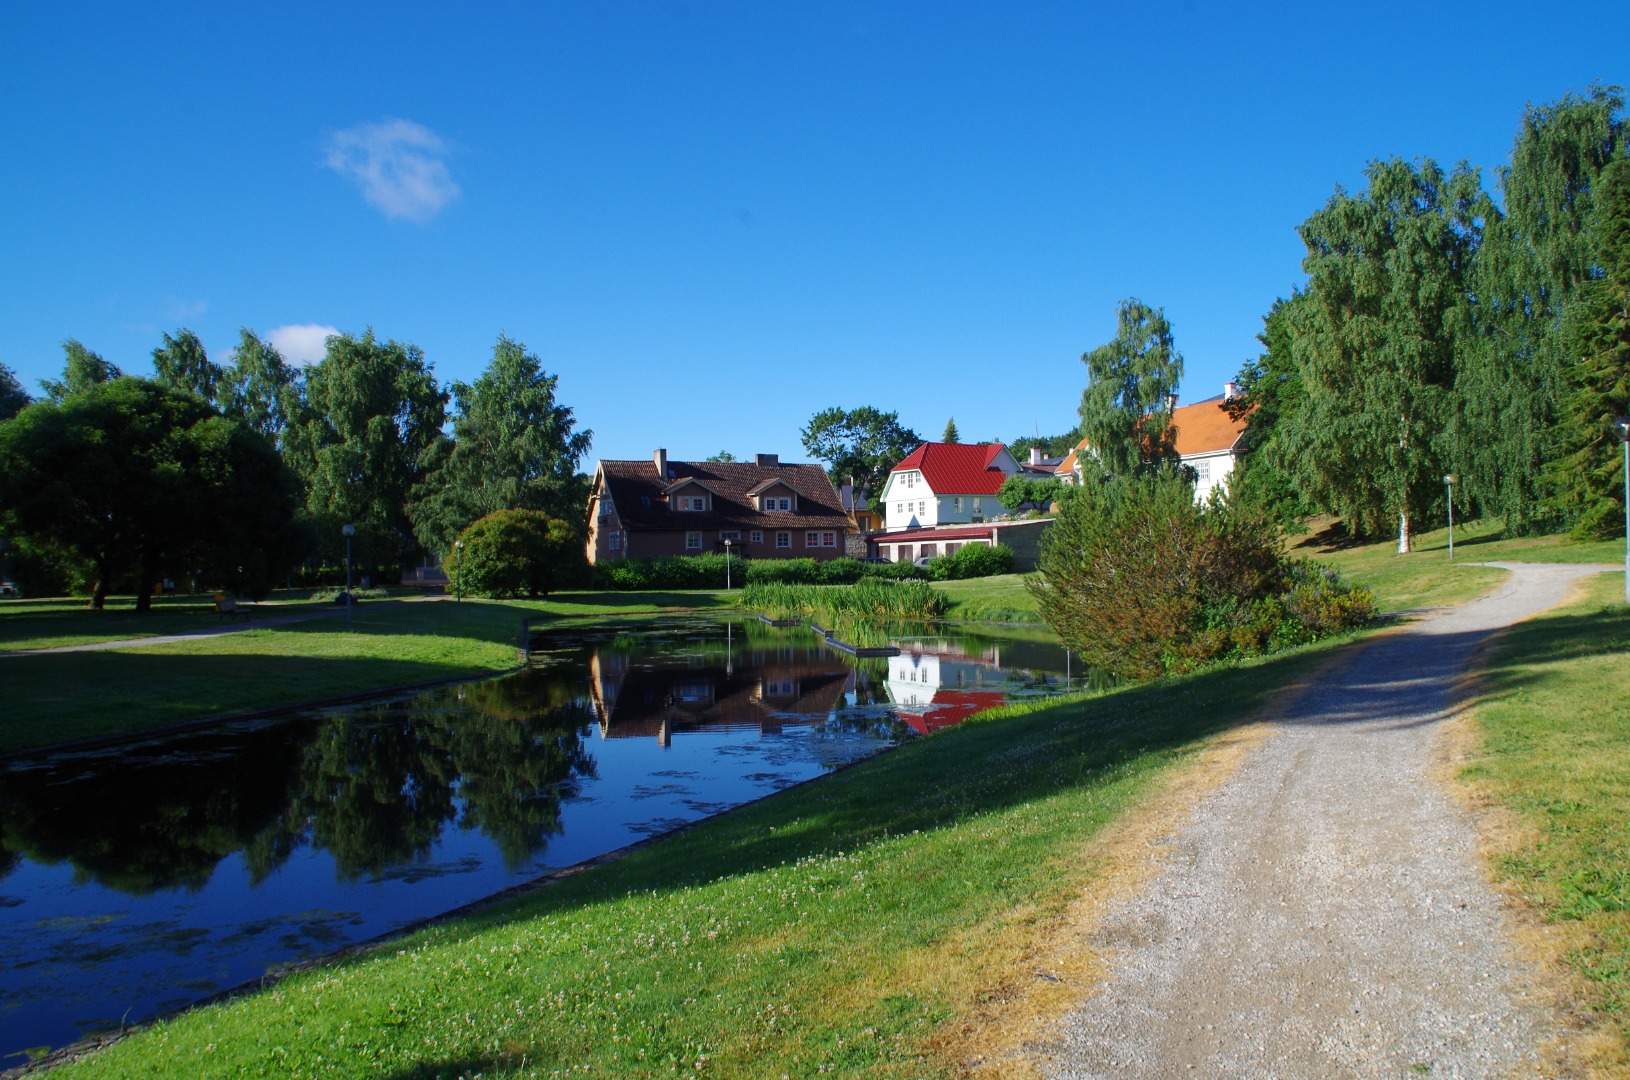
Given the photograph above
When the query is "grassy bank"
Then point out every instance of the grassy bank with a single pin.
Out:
(53, 623)
(54, 698)
(993, 599)
(844, 925)
(1553, 725)
(1426, 577)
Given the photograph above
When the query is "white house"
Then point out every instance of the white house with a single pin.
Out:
(1208, 440)
(946, 484)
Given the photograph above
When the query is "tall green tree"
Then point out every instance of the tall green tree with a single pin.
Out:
(82, 369)
(1513, 372)
(861, 444)
(12, 395)
(145, 481)
(514, 447)
(1588, 475)
(259, 385)
(1270, 387)
(183, 363)
(1374, 342)
(951, 434)
(367, 414)
(1126, 407)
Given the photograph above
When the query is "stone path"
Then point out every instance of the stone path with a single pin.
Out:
(1324, 912)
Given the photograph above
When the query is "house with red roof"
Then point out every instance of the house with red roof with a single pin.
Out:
(946, 484)
(764, 509)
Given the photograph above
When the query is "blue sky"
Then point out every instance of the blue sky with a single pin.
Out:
(712, 220)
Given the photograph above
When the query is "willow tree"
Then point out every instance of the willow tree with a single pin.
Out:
(1514, 372)
(1374, 342)
(1126, 407)
(258, 386)
(183, 363)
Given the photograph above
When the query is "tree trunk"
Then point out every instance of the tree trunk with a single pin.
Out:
(1403, 532)
(145, 577)
(99, 591)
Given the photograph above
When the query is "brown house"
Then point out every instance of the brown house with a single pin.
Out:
(766, 509)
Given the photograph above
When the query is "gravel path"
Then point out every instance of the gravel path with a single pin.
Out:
(1324, 913)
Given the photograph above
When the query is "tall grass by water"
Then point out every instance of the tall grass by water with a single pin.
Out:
(867, 599)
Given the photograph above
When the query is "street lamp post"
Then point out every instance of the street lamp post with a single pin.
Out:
(727, 564)
(1449, 485)
(349, 531)
(1623, 424)
(458, 572)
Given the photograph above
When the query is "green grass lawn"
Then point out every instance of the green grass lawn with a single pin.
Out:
(1426, 578)
(994, 599)
(1554, 722)
(47, 624)
(56, 698)
(842, 926)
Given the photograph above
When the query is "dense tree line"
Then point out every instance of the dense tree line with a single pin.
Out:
(1440, 334)
(230, 476)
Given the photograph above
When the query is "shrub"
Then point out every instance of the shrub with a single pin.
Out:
(673, 572)
(872, 599)
(972, 561)
(515, 553)
(1140, 581)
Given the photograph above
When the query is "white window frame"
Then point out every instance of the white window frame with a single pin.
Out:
(756, 536)
(614, 542)
(783, 540)
(732, 535)
(693, 540)
(956, 503)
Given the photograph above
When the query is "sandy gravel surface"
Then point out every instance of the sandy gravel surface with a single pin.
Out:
(1323, 913)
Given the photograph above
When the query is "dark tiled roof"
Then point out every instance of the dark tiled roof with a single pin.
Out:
(636, 491)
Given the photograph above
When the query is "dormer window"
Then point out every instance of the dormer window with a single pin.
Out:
(693, 502)
(768, 503)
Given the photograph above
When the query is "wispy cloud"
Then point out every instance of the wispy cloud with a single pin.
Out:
(397, 164)
(302, 343)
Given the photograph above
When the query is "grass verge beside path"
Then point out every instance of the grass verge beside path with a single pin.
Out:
(51, 624)
(1553, 727)
(67, 697)
(1426, 578)
(842, 926)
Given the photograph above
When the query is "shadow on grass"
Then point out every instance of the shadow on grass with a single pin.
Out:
(1552, 640)
(55, 699)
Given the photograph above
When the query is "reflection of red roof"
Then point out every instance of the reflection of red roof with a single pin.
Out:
(957, 468)
(951, 707)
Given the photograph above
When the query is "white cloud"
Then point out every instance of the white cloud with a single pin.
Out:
(302, 343)
(397, 164)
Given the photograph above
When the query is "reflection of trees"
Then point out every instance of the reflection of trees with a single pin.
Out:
(517, 768)
(153, 817)
(374, 788)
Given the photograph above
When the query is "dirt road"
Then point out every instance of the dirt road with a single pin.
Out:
(1324, 913)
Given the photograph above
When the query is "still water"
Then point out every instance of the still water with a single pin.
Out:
(137, 879)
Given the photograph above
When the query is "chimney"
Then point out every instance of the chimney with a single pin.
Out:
(766, 461)
(1230, 391)
(1171, 402)
(1035, 455)
(661, 459)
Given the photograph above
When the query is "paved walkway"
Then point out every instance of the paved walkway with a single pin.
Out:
(1325, 913)
(209, 631)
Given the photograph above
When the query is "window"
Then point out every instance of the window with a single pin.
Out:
(783, 540)
(899, 508)
(815, 539)
(911, 480)
(615, 542)
(956, 504)
(928, 551)
(732, 535)
(779, 503)
(1202, 468)
(693, 502)
(952, 549)
(693, 541)
(902, 553)
(978, 505)
(756, 536)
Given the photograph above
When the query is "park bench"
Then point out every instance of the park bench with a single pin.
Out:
(227, 607)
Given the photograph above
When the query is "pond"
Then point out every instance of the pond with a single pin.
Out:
(139, 878)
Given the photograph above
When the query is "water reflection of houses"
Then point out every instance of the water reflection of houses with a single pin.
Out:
(935, 684)
(750, 687)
